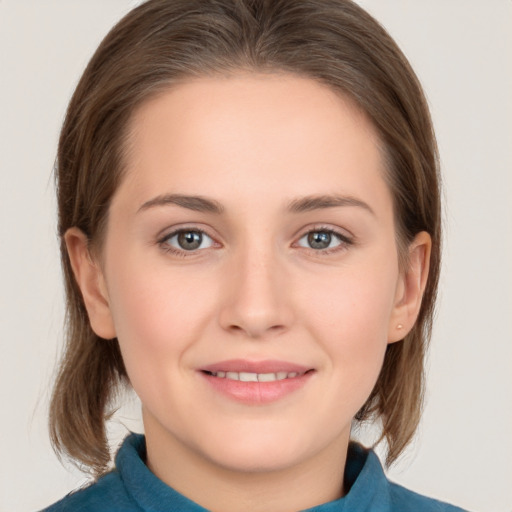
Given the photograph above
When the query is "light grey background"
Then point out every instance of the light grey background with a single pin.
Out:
(462, 52)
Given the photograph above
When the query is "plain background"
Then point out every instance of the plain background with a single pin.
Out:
(462, 52)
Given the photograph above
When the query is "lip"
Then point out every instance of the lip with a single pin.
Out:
(256, 393)
(266, 366)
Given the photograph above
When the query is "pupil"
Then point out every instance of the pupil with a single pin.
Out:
(319, 240)
(190, 240)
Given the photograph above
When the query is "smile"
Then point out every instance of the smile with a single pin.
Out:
(254, 377)
(256, 383)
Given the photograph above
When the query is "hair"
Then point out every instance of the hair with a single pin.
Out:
(162, 42)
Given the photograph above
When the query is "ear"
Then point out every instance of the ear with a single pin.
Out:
(411, 286)
(90, 280)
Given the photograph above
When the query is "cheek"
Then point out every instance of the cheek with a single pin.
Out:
(157, 313)
(354, 301)
(350, 315)
(158, 316)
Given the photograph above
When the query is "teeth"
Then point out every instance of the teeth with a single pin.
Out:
(248, 377)
(267, 377)
(255, 377)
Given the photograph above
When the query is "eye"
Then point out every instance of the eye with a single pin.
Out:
(322, 239)
(188, 240)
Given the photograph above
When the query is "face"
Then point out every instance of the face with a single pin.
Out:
(250, 269)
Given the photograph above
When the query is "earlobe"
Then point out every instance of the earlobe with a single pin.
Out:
(411, 288)
(91, 282)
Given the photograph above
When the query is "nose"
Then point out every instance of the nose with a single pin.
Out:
(255, 300)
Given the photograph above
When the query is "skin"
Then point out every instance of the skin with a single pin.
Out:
(255, 289)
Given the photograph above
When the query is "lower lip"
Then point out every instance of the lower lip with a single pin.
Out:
(257, 392)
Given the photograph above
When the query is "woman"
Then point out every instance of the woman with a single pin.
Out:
(250, 221)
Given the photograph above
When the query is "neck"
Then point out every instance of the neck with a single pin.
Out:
(309, 483)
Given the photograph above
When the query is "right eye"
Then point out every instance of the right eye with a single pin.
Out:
(320, 240)
(187, 240)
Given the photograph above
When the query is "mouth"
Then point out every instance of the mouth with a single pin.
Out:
(256, 377)
(255, 383)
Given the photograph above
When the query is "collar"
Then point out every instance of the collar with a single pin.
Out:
(368, 487)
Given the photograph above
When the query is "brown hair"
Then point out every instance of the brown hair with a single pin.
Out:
(164, 41)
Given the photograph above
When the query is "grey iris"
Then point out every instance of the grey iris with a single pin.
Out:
(319, 239)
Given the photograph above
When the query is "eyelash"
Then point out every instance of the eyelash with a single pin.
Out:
(163, 242)
(344, 241)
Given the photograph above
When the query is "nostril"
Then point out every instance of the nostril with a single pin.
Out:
(256, 331)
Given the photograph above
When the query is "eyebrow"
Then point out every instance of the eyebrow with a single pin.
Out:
(300, 205)
(196, 203)
(311, 203)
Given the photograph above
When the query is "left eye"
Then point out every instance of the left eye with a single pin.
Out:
(189, 240)
(320, 240)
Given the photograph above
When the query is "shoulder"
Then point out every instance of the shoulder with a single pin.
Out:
(370, 489)
(403, 499)
(107, 494)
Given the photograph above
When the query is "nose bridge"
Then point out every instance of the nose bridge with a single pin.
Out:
(256, 301)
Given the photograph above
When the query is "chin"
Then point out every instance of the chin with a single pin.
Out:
(259, 460)
(258, 450)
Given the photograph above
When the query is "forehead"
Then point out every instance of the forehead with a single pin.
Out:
(274, 133)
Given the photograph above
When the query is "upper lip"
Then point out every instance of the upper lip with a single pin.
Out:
(266, 366)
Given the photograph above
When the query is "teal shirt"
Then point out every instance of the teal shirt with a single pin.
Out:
(131, 487)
